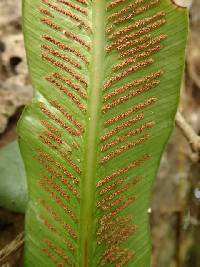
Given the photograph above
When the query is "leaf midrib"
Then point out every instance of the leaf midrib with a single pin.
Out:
(90, 156)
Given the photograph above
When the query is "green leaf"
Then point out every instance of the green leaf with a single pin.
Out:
(106, 76)
(13, 189)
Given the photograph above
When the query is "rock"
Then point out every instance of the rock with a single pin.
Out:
(13, 95)
(14, 55)
(10, 14)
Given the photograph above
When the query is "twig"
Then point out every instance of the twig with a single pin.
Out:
(189, 133)
(11, 248)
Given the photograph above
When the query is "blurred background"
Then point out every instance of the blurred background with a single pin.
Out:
(175, 209)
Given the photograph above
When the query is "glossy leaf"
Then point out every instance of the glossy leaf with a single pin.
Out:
(106, 76)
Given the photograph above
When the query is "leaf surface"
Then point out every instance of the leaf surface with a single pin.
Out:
(106, 76)
(13, 189)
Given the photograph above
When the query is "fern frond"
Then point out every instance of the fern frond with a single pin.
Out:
(106, 75)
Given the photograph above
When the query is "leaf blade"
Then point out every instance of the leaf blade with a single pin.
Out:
(12, 179)
(111, 136)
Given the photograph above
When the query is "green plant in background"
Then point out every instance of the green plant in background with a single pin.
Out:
(106, 75)
(13, 189)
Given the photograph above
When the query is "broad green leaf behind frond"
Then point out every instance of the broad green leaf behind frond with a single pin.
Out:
(106, 76)
(13, 189)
